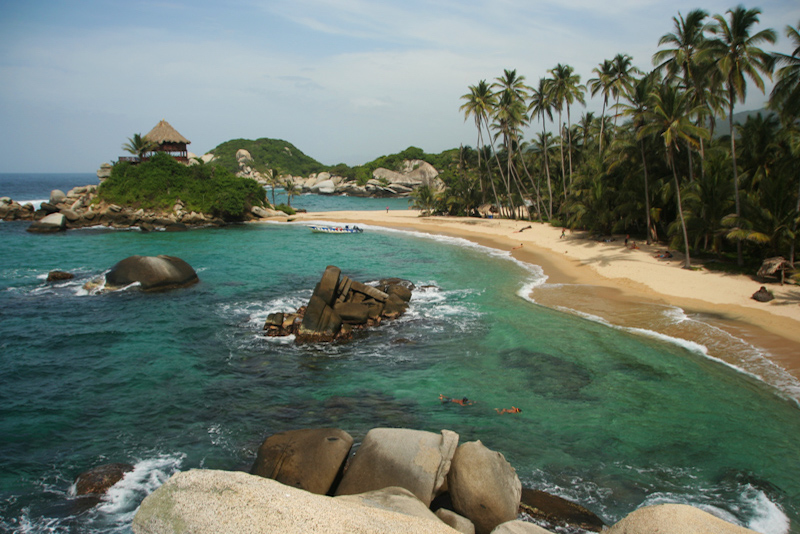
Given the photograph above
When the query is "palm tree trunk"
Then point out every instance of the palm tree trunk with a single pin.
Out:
(569, 144)
(563, 163)
(500, 168)
(731, 94)
(688, 262)
(602, 123)
(646, 190)
(689, 156)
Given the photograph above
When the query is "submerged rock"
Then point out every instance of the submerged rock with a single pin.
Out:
(99, 479)
(557, 511)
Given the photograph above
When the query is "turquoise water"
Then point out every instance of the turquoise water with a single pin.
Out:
(183, 379)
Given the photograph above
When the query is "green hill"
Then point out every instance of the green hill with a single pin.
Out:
(723, 128)
(267, 154)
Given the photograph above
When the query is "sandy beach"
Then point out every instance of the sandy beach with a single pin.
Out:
(621, 285)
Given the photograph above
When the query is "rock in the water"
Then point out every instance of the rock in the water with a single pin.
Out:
(308, 459)
(213, 502)
(99, 479)
(320, 322)
(152, 273)
(558, 512)
(352, 312)
(483, 486)
(55, 276)
(57, 196)
(674, 519)
(176, 227)
(763, 295)
(326, 187)
(412, 459)
(55, 222)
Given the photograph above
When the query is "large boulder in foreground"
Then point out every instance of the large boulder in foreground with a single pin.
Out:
(212, 502)
(309, 459)
(153, 273)
(412, 459)
(674, 519)
(483, 486)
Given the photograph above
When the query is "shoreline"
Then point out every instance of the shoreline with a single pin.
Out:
(622, 283)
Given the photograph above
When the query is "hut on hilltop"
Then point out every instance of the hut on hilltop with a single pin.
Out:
(167, 139)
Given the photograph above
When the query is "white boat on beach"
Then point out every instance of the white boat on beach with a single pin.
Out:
(326, 229)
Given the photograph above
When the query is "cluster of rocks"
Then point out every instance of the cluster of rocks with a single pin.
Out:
(80, 208)
(339, 305)
(399, 480)
(384, 182)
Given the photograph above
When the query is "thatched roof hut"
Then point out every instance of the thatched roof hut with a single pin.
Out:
(168, 140)
(772, 265)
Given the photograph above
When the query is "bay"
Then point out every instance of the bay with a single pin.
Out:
(184, 379)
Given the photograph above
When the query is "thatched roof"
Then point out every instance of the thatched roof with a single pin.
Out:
(165, 133)
(772, 266)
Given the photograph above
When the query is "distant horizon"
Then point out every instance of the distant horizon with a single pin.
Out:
(347, 81)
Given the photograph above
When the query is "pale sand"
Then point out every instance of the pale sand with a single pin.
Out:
(620, 275)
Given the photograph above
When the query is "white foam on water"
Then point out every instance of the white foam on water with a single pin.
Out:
(768, 518)
(123, 499)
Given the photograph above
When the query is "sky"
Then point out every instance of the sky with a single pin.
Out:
(342, 80)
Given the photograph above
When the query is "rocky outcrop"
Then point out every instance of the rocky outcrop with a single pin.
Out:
(54, 222)
(57, 276)
(557, 512)
(674, 519)
(99, 479)
(211, 502)
(412, 459)
(309, 459)
(763, 295)
(338, 306)
(153, 273)
(483, 486)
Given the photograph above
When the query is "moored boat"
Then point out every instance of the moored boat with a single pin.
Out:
(327, 229)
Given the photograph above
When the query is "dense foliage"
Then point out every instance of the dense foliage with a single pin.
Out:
(652, 164)
(268, 154)
(160, 182)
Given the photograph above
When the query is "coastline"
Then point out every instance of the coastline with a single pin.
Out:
(622, 286)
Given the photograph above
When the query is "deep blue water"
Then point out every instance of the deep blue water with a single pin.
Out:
(184, 379)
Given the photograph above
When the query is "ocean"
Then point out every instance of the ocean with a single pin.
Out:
(612, 417)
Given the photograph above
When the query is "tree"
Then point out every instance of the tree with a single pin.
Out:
(738, 56)
(541, 105)
(565, 88)
(785, 96)
(480, 103)
(139, 146)
(622, 76)
(290, 188)
(602, 84)
(669, 115)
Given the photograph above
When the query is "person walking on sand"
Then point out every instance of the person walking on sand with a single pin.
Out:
(513, 409)
(563, 233)
(627, 236)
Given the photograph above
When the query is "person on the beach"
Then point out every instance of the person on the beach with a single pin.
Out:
(627, 236)
(387, 209)
(633, 245)
(523, 229)
(513, 409)
(563, 233)
(515, 248)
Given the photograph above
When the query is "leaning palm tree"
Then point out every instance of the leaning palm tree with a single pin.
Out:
(480, 104)
(602, 84)
(139, 146)
(785, 96)
(669, 115)
(737, 55)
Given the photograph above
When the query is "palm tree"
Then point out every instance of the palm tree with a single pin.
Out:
(480, 103)
(785, 96)
(602, 84)
(291, 189)
(565, 88)
(669, 116)
(510, 114)
(622, 77)
(638, 109)
(542, 105)
(737, 55)
(139, 146)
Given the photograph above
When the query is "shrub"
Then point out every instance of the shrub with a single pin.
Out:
(160, 182)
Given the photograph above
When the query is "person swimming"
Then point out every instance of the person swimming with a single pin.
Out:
(462, 401)
(513, 409)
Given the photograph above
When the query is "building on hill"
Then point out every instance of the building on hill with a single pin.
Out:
(169, 140)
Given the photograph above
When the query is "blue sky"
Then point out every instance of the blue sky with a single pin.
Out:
(343, 80)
